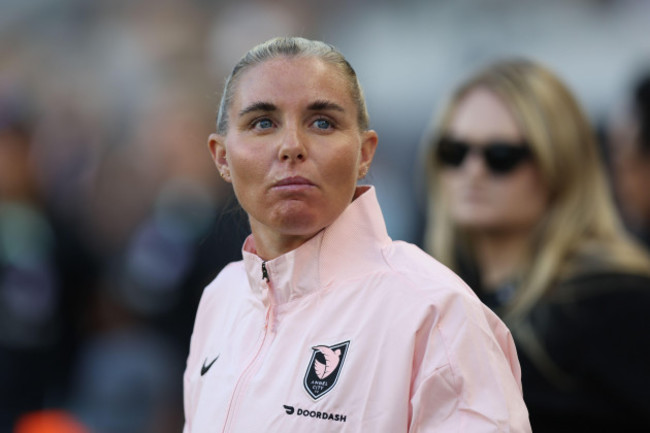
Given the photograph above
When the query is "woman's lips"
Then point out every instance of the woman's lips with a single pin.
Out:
(293, 183)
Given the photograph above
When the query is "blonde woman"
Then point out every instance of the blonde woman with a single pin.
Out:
(519, 207)
(326, 324)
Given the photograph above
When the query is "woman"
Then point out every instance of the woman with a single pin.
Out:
(519, 207)
(326, 324)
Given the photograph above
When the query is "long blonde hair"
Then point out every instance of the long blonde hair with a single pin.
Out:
(581, 226)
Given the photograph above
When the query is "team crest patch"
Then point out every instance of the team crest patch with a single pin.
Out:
(324, 368)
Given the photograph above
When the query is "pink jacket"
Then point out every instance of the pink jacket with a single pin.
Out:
(350, 332)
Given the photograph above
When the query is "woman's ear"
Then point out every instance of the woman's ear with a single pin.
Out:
(369, 141)
(217, 146)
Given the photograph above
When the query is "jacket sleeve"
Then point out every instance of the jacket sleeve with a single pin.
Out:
(196, 342)
(187, 397)
(466, 374)
(186, 407)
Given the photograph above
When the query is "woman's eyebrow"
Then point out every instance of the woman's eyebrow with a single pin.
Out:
(319, 105)
(258, 106)
(323, 104)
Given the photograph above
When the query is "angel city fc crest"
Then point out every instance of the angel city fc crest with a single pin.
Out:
(324, 368)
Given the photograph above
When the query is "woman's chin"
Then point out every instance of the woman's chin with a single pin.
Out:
(301, 225)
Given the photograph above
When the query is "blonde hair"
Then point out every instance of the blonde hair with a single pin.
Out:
(291, 47)
(581, 228)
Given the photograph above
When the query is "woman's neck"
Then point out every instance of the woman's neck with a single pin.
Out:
(499, 256)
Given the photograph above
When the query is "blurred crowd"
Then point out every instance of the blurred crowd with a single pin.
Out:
(112, 215)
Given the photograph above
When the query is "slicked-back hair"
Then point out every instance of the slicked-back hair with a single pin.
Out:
(291, 47)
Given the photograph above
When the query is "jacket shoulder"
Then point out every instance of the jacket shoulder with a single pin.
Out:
(410, 263)
(218, 288)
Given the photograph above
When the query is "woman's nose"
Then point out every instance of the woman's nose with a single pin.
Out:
(292, 147)
(474, 163)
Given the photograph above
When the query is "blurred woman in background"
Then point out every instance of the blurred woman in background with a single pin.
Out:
(519, 207)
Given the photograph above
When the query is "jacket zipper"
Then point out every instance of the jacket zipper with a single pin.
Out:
(265, 273)
(251, 368)
(270, 312)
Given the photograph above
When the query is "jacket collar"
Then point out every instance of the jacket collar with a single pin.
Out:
(350, 246)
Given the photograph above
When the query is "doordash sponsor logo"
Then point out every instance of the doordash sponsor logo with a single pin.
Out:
(326, 416)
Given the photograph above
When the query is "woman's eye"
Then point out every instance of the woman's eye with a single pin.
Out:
(322, 124)
(263, 124)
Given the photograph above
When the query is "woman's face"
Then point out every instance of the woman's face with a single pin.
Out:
(481, 199)
(293, 150)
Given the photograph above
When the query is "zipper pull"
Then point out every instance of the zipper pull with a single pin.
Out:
(269, 323)
(265, 274)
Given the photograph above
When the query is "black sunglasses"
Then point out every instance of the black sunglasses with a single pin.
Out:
(500, 157)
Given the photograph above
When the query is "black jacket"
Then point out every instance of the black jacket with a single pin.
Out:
(585, 355)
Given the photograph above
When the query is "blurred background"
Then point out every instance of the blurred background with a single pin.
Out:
(112, 216)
